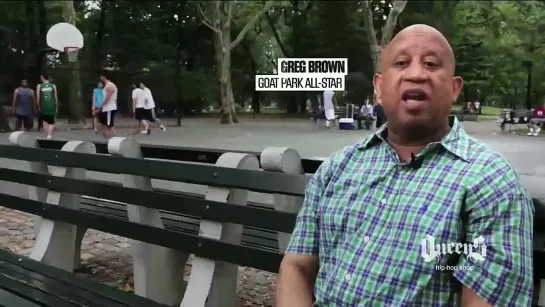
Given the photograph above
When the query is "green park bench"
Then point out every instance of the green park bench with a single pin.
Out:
(46, 280)
(212, 231)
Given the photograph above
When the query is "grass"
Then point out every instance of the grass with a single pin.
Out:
(486, 110)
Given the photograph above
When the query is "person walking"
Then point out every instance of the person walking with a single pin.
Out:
(48, 103)
(149, 105)
(24, 104)
(98, 99)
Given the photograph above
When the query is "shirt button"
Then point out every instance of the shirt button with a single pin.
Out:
(383, 201)
(347, 277)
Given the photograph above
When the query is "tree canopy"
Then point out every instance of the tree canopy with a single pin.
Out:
(202, 55)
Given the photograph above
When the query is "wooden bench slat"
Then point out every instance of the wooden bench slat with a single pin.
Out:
(176, 153)
(204, 174)
(54, 287)
(250, 237)
(198, 245)
(274, 220)
(30, 294)
(68, 280)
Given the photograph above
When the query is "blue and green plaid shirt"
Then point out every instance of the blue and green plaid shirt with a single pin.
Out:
(366, 215)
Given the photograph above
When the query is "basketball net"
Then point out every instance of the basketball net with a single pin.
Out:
(71, 53)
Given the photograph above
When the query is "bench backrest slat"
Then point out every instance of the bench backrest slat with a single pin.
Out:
(203, 174)
(211, 210)
(176, 153)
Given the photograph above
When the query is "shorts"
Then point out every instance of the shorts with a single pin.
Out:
(49, 119)
(25, 121)
(143, 114)
(140, 114)
(107, 118)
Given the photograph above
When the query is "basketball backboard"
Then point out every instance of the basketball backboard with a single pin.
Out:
(64, 37)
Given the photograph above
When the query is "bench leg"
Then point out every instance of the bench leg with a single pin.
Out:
(158, 271)
(541, 300)
(286, 160)
(55, 243)
(214, 283)
(80, 233)
(24, 139)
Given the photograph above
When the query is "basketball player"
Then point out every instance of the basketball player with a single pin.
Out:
(98, 99)
(106, 113)
(48, 102)
(150, 106)
(140, 113)
(24, 101)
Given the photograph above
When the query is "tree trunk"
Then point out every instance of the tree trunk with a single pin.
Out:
(223, 58)
(387, 31)
(76, 103)
(314, 103)
(100, 32)
(4, 124)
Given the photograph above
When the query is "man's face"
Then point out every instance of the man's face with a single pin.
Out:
(24, 83)
(416, 86)
(100, 85)
(142, 86)
(102, 78)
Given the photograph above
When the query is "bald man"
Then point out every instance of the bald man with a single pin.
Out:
(417, 214)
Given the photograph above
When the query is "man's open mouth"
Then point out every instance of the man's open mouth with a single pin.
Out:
(414, 95)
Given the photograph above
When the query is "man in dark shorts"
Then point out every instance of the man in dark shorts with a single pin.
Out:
(48, 103)
(140, 113)
(106, 113)
(24, 102)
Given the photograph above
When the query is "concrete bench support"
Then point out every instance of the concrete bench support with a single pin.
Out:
(56, 241)
(214, 284)
(158, 271)
(24, 139)
(286, 160)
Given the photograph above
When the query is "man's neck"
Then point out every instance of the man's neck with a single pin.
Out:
(404, 145)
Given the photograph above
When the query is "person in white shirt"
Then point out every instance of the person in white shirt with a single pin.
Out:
(150, 106)
(106, 113)
(329, 109)
(366, 113)
(140, 113)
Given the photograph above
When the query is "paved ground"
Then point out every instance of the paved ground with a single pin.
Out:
(107, 257)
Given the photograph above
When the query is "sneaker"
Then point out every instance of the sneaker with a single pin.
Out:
(536, 133)
(163, 128)
(531, 132)
(144, 132)
(48, 137)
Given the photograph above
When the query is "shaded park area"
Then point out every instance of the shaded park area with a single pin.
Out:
(175, 49)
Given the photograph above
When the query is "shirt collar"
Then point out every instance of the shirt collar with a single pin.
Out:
(456, 141)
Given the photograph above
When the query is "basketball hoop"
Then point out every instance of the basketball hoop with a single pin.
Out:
(71, 53)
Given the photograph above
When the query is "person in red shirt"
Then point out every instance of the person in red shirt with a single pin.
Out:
(537, 120)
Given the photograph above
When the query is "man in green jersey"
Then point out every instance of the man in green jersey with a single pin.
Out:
(48, 102)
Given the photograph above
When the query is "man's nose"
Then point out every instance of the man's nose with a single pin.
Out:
(416, 72)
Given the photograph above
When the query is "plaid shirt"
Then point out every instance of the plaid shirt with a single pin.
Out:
(366, 215)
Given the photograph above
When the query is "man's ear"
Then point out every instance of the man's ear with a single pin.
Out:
(457, 85)
(377, 81)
